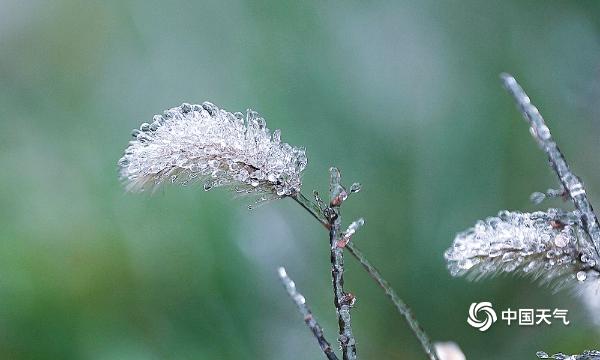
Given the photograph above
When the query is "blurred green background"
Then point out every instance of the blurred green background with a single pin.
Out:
(401, 96)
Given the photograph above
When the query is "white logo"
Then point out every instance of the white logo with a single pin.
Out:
(490, 315)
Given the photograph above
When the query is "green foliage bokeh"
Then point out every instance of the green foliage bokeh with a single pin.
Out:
(401, 96)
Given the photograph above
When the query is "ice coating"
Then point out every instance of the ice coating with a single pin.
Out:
(545, 245)
(204, 143)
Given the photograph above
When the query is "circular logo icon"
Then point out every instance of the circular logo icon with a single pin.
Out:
(477, 312)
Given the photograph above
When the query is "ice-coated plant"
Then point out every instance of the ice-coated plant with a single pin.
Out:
(586, 355)
(546, 245)
(560, 248)
(203, 143)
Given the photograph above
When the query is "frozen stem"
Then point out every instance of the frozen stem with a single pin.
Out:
(309, 319)
(400, 305)
(343, 301)
(569, 181)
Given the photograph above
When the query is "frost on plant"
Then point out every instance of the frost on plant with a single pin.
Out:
(549, 246)
(587, 355)
(203, 143)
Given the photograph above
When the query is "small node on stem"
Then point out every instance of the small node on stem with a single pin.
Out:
(349, 299)
(338, 193)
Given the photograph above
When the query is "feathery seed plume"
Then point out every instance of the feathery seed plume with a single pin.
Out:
(204, 143)
(548, 246)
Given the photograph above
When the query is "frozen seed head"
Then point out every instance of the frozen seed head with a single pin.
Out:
(549, 246)
(586, 355)
(203, 143)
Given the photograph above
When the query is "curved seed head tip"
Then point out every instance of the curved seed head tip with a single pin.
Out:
(526, 244)
(203, 143)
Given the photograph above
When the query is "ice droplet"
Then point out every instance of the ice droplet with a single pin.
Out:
(276, 136)
(356, 187)
(581, 276)
(537, 197)
(212, 144)
(561, 240)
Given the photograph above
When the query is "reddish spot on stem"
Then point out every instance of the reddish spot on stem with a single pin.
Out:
(348, 299)
(341, 243)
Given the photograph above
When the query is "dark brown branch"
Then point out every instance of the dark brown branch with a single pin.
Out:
(309, 319)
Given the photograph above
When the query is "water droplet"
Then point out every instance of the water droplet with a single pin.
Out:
(210, 108)
(208, 186)
(276, 137)
(356, 187)
(186, 108)
(542, 355)
(508, 257)
(537, 197)
(561, 240)
(544, 132)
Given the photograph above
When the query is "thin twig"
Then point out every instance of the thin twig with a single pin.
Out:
(570, 182)
(343, 301)
(400, 305)
(312, 208)
(309, 319)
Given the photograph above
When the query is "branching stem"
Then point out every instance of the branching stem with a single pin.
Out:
(570, 182)
(343, 301)
(400, 305)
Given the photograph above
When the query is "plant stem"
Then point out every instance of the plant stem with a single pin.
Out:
(312, 209)
(570, 182)
(309, 319)
(342, 300)
(400, 305)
